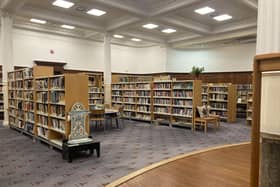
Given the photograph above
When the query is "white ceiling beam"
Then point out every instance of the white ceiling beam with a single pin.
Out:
(39, 28)
(183, 38)
(122, 23)
(91, 34)
(146, 37)
(250, 3)
(244, 24)
(216, 37)
(123, 6)
(60, 18)
(172, 7)
(187, 24)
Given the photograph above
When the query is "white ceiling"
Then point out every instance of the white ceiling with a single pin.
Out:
(126, 17)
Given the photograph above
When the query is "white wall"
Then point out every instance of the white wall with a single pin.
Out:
(138, 60)
(79, 54)
(226, 59)
(83, 54)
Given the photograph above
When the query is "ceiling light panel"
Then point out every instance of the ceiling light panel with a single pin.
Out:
(168, 31)
(136, 39)
(222, 17)
(118, 36)
(150, 26)
(68, 26)
(38, 21)
(63, 4)
(204, 10)
(96, 12)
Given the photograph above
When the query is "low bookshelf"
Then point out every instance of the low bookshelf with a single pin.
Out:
(95, 89)
(222, 100)
(161, 101)
(242, 93)
(186, 96)
(249, 108)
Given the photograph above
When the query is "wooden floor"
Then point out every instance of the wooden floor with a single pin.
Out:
(226, 167)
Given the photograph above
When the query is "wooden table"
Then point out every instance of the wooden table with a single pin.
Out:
(112, 114)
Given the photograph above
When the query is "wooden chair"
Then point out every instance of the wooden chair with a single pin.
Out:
(98, 117)
(120, 114)
(203, 120)
(78, 140)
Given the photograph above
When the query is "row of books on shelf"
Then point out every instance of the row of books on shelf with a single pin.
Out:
(218, 89)
(181, 85)
(162, 94)
(182, 94)
(58, 110)
(162, 101)
(57, 82)
(41, 84)
(218, 105)
(96, 89)
(218, 96)
(162, 85)
(57, 97)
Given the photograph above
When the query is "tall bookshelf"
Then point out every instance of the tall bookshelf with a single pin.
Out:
(242, 93)
(222, 101)
(249, 108)
(162, 101)
(144, 101)
(204, 94)
(1, 95)
(39, 102)
(21, 106)
(95, 89)
(186, 96)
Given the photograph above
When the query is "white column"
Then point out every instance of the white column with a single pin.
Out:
(107, 68)
(6, 55)
(268, 37)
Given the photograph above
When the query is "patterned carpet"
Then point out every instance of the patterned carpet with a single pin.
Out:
(24, 163)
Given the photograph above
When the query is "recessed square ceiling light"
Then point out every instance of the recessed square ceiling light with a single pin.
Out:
(63, 4)
(38, 21)
(136, 39)
(118, 36)
(96, 12)
(222, 17)
(68, 26)
(204, 10)
(168, 31)
(150, 26)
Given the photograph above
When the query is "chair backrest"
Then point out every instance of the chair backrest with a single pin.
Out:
(78, 117)
(202, 111)
(120, 109)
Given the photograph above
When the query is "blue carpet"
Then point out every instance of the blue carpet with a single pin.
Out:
(24, 163)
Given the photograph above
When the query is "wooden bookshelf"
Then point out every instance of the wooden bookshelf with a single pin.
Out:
(1, 95)
(186, 96)
(204, 94)
(222, 100)
(144, 101)
(39, 102)
(242, 93)
(162, 101)
(95, 89)
(249, 108)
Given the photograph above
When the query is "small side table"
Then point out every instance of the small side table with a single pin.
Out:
(69, 149)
